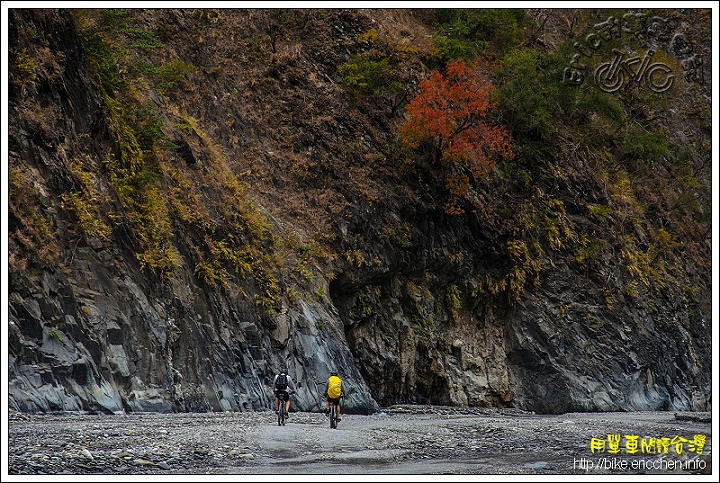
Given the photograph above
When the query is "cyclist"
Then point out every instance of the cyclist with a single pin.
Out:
(281, 384)
(333, 391)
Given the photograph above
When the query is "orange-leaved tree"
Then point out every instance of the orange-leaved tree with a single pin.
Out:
(451, 111)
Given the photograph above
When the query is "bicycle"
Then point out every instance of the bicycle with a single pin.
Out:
(282, 413)
(333, 413)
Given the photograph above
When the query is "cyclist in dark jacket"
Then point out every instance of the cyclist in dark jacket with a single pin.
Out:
(278, 388)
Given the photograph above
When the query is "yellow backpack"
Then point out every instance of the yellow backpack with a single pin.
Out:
(334, 387)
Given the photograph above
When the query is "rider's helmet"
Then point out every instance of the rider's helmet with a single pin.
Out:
(283, 371)
(333, 373)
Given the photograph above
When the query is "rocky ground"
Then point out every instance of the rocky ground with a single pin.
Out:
(399, 440)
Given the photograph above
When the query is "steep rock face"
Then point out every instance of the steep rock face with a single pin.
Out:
(93, 334)
(560, 349)
(407, 322)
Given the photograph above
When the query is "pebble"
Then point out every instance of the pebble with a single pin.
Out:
(199, 443)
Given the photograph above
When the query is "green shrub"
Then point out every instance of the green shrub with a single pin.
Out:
(599, 212)
(89, 221)
(373, 75)
(170, 73)
(589, 251)
(449, 49)
(526, 93)
(595, 112)
(453, 300)
(644, 145)
(142, 39)
(365, 76)
(211, 272)
(361, 305)
(55, 334)
(466, 33)
(27, 66)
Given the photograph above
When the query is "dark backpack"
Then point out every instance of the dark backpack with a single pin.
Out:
(281, 382)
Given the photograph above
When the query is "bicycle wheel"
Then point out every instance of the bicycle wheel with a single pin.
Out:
(333, 421)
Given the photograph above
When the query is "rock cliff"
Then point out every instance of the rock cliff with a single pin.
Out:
(279, 229)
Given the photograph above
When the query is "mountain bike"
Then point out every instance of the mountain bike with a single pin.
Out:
(282, 413)
(333, 414)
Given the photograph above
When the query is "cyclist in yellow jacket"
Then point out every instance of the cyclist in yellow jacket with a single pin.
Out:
(333, 391)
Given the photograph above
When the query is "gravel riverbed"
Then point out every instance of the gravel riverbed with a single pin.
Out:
(398, 440)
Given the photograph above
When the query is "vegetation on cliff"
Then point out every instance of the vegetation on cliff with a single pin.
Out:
(270, 150)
